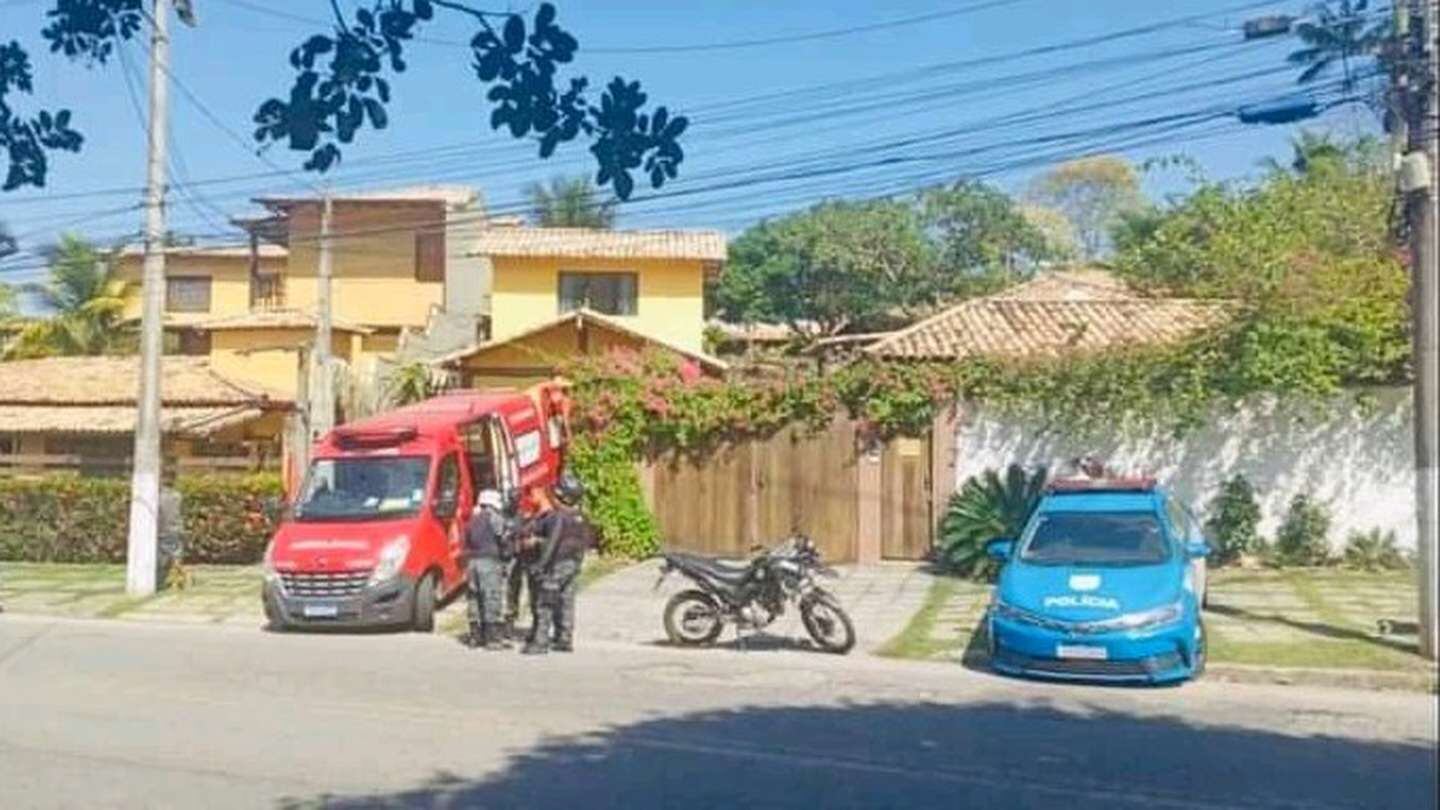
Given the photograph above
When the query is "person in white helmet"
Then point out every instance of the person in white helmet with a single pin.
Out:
(489, 541)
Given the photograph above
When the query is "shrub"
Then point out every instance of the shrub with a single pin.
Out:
(986, 507)
(614, 500)
(1374, 550)
(1304, 536)
(1234, 521)
(66, 518)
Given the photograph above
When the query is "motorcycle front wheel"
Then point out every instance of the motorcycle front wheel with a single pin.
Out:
(827, 623)
(693, 619)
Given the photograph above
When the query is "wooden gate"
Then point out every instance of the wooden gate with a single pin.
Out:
(906, 523)
(757, 492)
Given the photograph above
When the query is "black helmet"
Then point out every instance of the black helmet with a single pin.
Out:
(569, 489)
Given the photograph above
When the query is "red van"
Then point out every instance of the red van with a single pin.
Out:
(375, 535)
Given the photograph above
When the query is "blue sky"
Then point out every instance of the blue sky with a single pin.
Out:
(856, 99)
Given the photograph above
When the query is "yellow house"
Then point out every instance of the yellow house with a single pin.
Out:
(651, 282)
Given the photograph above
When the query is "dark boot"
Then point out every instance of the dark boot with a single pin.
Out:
(563, 644)
(495, 638)
(535, 647)
(475, 636)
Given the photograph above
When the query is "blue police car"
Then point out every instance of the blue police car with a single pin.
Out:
(1105, 583)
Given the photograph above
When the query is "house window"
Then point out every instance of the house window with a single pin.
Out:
(267, 291)
(430, 256)
(606, 293)
(187, 294)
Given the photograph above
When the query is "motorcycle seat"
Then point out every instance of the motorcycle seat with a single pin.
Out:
(728, 573)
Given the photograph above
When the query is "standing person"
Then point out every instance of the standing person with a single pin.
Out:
(489, 543)
(518, 572)
(562, 536)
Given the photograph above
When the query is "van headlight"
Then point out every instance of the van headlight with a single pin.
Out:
(1165, 614)
(267, 567)
(392, 558)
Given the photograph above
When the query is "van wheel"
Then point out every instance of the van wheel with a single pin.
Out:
(427, 594)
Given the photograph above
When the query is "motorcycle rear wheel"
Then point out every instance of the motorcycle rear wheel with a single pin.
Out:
(827, 623)
(693, 619)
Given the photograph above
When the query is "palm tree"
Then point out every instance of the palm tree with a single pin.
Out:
(569, 202)
(1339, 33)
(86, 302)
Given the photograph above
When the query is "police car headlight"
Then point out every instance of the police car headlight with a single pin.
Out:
(1165, 614)
(1006, 610)
(392, 558)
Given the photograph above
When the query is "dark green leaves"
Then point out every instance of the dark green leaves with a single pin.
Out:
(332, 101)
(26, 140)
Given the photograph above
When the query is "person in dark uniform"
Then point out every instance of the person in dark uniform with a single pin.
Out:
(518, 573)
(560, 537)
(489, 542)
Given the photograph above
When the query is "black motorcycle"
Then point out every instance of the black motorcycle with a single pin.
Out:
(754, 594)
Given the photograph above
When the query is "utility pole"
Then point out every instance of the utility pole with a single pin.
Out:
(145, 476)
(1418, 182)
(322, 400)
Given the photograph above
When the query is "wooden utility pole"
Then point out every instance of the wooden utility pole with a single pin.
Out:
(322, 398)
(1418, 182)
(145, 476)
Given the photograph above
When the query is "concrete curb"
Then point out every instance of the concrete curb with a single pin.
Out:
(1363, 679)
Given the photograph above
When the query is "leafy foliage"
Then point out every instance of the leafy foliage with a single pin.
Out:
(342, 83)
(1374, 550)
(67, 518)
(868, 265)
(572, 202)
(614, 500)
(1304, 536)
(988, 506)
(1093, 193)
(1233, 526)
(27, 138)
(86, 301)
(412, 382)
(1343, 34)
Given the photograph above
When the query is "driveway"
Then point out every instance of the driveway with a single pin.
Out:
(625, 607)
(130, 715)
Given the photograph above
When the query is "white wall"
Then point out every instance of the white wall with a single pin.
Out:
(1358, 460)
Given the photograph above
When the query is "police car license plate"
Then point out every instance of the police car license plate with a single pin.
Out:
(321, 611)
(1087, 652)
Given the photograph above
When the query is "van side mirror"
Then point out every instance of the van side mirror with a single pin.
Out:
(1000, 548)
(273, 508)
(446, 506)
(1197, 549)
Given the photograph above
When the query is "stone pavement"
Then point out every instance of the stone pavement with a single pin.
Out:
(880, 599)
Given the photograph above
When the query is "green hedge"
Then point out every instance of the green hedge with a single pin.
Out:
(66, 518)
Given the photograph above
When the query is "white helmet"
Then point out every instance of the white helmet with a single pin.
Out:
(490, 498)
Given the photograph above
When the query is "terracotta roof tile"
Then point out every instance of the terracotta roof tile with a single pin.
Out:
(590, 243)
(63, 381)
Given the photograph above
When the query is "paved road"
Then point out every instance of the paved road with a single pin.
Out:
(109, 714)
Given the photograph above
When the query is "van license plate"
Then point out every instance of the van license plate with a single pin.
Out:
(1085, 652)
(321, 611)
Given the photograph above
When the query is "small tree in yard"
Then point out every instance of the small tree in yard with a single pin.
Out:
(1304, 536)
(1375, 550)
(1234, 521)
(986, 507)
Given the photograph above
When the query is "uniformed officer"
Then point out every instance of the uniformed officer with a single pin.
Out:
(489, 541)
(562, 537)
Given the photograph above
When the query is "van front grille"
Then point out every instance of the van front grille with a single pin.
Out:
(324, 584)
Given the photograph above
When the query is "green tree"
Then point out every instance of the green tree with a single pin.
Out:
(981, 238)
(85, 302)
(1093, 193)
(837, 265)
(987, 507)
(1234, 521)
(412, 382)
(569, 202)
(1339, 35)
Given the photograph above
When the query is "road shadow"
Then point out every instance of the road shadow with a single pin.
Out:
(1329, 631)
(911, 755)
(750, 642)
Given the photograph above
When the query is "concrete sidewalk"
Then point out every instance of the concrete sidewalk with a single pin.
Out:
(880, 599)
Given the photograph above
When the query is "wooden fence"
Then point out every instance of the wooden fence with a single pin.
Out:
(858, 502)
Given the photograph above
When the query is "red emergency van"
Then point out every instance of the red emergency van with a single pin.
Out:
(374, 535)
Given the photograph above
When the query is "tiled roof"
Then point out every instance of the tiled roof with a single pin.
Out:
(591, 243)
(120, 419)
(273, 319)
(1050, 317)
(265, 250)
(1082, 284)
(451, 195)
(591, 317)
(63, 381)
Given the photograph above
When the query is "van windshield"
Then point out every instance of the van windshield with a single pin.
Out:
(1095, 538)
(363, 488)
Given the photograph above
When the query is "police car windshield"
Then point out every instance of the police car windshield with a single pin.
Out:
(363, 488)
(1095, 538)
